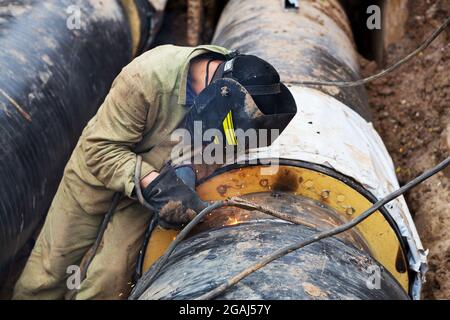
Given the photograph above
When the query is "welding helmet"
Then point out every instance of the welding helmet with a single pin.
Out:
(245, 93)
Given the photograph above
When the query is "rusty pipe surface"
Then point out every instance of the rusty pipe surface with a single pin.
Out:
(57, 62)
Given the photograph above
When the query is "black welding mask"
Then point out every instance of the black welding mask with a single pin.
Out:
(245, 93)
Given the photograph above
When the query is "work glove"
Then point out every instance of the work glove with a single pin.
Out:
(172, 195)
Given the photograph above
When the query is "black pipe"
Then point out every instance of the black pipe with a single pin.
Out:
(335, 268)
(54, 74)
(314, 42)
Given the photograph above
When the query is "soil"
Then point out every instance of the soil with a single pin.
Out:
(412, 114)
(174, 27)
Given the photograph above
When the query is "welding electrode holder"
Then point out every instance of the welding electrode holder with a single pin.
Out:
(175, 201)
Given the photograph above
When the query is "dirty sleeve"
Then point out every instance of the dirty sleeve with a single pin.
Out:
(118, 126)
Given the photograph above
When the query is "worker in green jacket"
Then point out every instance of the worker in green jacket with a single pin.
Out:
(148, 100)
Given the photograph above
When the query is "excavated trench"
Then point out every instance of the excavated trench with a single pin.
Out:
(409, 108)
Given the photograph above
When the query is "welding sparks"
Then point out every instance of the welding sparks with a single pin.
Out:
(233, 221)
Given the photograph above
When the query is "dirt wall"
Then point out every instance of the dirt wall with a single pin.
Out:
(412, 114)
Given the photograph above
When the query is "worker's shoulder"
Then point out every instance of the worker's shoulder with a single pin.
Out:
(164, 54)
(161, 66)
(168, 59)
(157, 67)
(149, 60)
(170, 54)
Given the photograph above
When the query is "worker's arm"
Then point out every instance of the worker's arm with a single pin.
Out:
(118, 127)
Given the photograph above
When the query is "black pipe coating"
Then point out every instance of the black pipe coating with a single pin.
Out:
(314, 42)
(57, 62)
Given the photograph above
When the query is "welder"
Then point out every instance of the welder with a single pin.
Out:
(157, 93)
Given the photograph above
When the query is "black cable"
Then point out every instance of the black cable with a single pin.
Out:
(114, 203)
(137, 184)
(360, 82)
(325, 234)
(140, 262)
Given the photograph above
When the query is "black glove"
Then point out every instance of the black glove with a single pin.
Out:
(174, 201)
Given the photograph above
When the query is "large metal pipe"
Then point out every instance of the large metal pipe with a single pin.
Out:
(313, 43)
(329, 154)
(57, 62)
(332, 128)
(232, 239)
